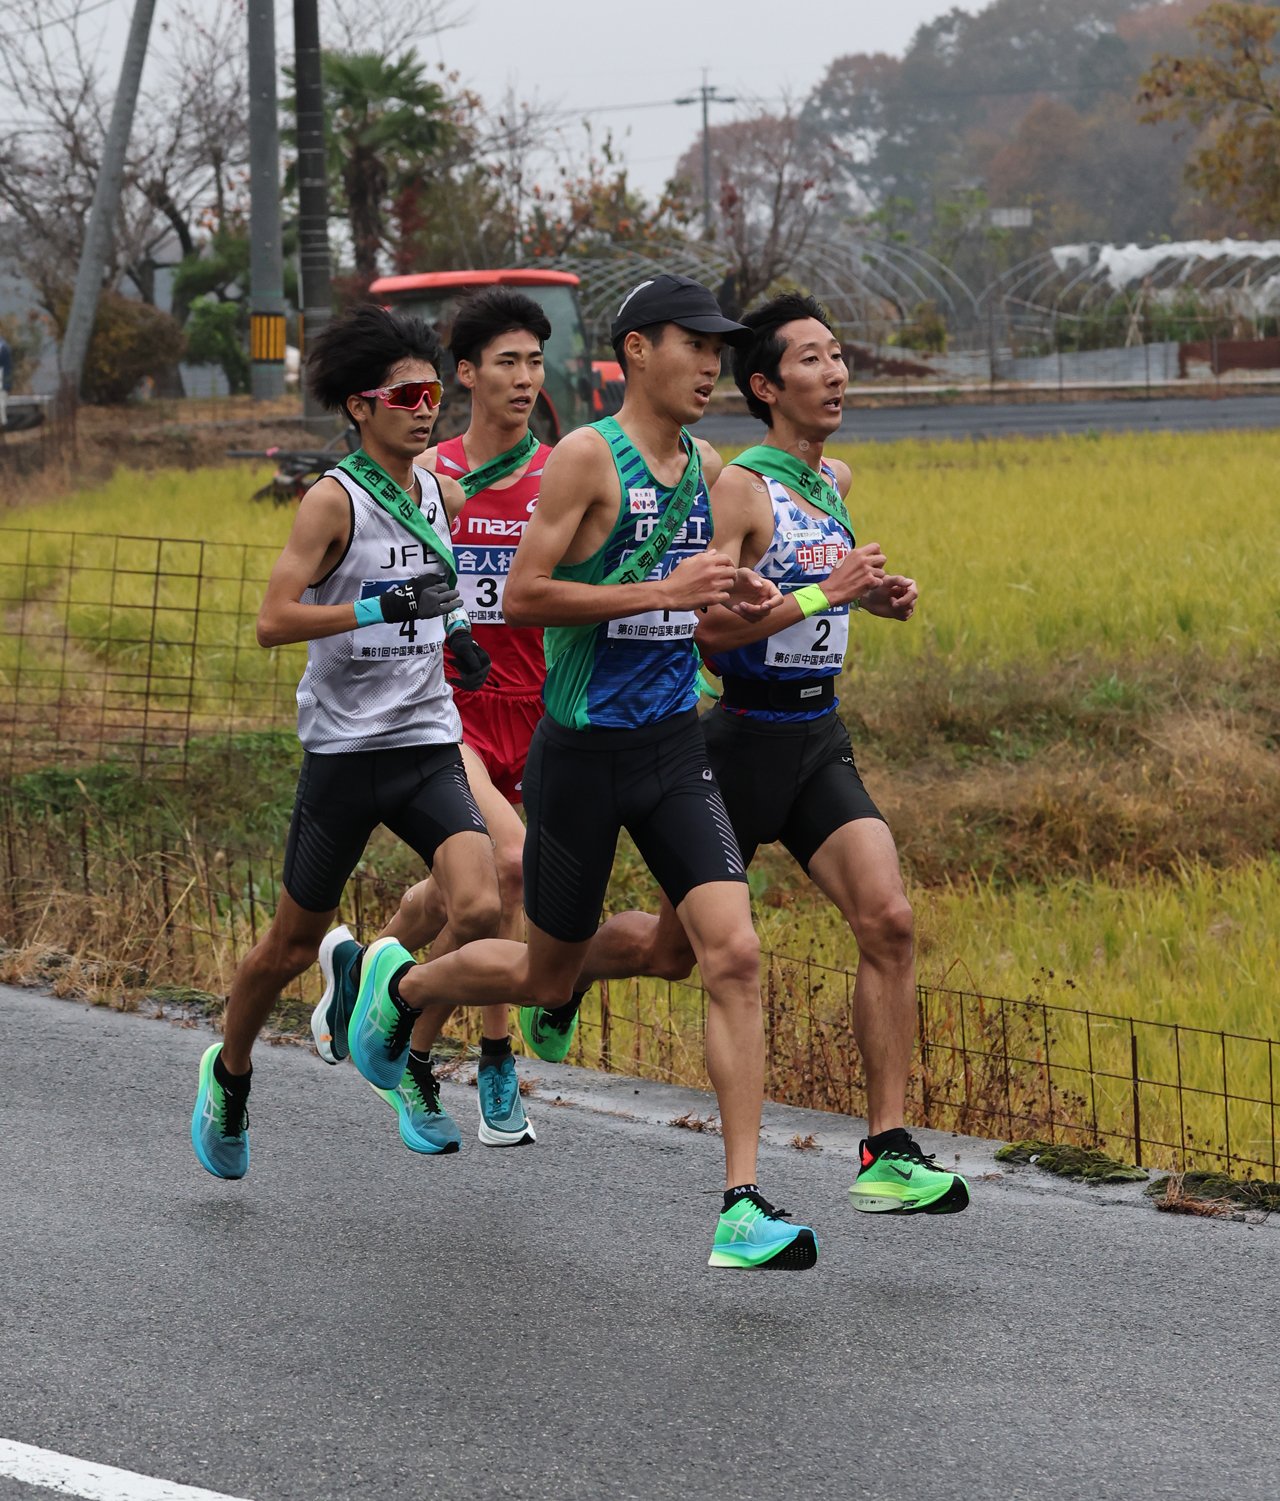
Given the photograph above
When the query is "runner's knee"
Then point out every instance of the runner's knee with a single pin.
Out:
(733, 959)
(510, 862)
(887, 934)
(476, 914)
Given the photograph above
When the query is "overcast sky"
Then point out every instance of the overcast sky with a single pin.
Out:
(593, 58)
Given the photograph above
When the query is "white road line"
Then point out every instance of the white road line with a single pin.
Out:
(92, 1482)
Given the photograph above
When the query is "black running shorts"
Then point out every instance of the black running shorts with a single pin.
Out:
(419, 792)
(790, 782)
(581, 787)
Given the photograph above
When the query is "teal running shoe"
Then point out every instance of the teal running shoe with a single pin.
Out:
(378, 1033)
(549, 1034)
(751, 1234)
(220, 1123)
(339, 954)
(425, 1125)
(901, 1179)
(503, 1122)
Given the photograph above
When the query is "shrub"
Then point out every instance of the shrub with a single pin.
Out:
(131, 340)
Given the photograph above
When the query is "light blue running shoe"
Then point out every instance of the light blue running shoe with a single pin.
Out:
(220, 1124)
(425, 1125)
(378, 1034)
(503, 1122)
(332, 1016)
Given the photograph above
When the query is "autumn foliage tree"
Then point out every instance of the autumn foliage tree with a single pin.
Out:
(1229, 89)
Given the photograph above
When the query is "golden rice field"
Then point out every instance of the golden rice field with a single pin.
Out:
(1031, 556)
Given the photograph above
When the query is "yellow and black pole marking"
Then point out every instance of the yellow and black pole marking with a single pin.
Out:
(266, 338)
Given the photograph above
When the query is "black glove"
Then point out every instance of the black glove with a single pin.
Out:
(422, 598)
(472, 661)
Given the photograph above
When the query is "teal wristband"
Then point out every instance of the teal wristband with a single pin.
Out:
(369, 611)
(811, 600)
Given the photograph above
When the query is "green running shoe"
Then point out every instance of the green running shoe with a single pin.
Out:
(901, 1179)
(549, 1034)
(220, 1123)
(425, 1125)
(751, 1233)
(378, 1033)
(339, 955)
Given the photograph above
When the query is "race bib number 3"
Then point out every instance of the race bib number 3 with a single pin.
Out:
(396, 639)
(654, 625)
(482, 597)
(814, 644)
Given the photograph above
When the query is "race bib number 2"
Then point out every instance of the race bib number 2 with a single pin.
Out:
(814, 644)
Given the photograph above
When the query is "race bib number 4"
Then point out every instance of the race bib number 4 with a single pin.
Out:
(654, 625)
(395, 639)
(814, 644)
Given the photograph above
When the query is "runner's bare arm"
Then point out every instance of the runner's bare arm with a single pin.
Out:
(577, 505)
(320, 533)
(744, 528)
(452, 493)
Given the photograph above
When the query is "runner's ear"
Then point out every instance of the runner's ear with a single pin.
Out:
(466, 375)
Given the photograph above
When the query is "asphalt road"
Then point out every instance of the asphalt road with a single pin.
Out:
(1174, 414)
(352, 1321)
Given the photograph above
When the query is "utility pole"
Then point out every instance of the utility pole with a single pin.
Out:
(313, 192)
(106, 197)
(266, 260)
(707, 96)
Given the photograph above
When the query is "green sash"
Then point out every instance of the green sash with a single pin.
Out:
(506, 463)
(816, 488)
(641, 562)
(398, 504)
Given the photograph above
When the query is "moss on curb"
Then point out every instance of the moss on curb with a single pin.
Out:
(1085, 1164)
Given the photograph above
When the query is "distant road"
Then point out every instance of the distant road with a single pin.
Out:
(1170, 414)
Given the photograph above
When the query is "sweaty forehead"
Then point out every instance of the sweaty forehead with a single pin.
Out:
(410, 369)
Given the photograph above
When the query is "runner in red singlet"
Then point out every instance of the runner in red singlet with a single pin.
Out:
(496, 343)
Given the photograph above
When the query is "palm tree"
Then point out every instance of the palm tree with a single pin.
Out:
(384, 119)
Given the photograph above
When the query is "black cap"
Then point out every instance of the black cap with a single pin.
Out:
(674, 299)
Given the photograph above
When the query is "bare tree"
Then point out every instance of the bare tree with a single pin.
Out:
(774, 185)
(183, 177)
(388, 26)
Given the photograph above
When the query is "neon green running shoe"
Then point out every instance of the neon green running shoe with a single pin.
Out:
(901, 1179)
(220, 1122)
(425, 1125)
(549, 1034)
(751, 1234)
(378, 1032)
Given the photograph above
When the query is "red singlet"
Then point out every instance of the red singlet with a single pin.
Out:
(498, 720)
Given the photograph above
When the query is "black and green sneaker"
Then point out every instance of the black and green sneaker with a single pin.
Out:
(549, 1034)
(898, 1178)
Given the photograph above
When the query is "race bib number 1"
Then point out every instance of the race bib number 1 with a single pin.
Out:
(654, 625)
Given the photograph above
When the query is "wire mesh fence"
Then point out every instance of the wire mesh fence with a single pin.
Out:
(131, 647)
(127, 910)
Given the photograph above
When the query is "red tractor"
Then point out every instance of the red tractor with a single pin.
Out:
(577, 389)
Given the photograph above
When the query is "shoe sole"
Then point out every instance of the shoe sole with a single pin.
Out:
(319, 1017)
(492, 1138)
(206, 1083)
(952, 1201)
(414, 1144)
(796, 1256)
